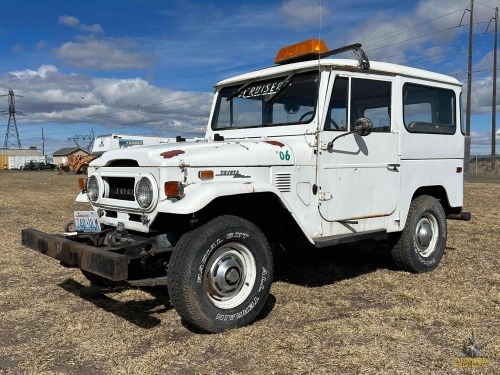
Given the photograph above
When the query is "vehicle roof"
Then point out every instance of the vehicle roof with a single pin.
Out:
(348, 65)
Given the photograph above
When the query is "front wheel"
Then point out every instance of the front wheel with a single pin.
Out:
(422, 242)
(220, 274)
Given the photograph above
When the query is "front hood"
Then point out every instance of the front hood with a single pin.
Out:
(267, 152)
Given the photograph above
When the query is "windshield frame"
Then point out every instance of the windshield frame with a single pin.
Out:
(225, 95)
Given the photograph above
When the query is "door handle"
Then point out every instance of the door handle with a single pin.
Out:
(393, 167)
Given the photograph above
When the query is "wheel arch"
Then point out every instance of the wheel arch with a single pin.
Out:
(437, 191)
(258, 202)
(265, 209)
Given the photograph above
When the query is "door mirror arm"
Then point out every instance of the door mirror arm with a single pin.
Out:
(363, 127)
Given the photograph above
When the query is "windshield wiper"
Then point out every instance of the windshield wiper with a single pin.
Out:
(287, 82)
(241, 89)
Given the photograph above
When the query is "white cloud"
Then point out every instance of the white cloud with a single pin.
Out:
(109, 54)
(41, 72)
(481, 142)
(69, 21)
(74, 23)
(303, 13)
(50, 96)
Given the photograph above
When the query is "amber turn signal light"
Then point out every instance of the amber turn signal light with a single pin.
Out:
(173, 189)
(206, 175)
(82, 184)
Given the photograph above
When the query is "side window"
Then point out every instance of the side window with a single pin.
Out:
(372, 99)
(336, 118)
(429, 109)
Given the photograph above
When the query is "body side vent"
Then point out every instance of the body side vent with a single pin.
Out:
(283, 181)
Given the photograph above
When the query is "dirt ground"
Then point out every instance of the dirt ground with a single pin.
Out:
(341, 310)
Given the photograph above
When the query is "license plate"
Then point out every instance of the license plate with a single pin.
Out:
(87, 221)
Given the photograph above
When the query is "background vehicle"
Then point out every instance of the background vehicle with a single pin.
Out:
(37, 166)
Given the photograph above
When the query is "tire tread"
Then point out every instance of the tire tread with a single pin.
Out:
(179, 286)
(403, 258)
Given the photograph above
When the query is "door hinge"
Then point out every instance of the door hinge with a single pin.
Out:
(325, 196)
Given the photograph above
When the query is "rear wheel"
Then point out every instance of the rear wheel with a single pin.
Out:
(220, 274)
(422, 242)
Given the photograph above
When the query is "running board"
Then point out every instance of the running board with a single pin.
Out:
(348, 237)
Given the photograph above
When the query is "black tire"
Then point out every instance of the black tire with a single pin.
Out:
(97, 280)
(220, 274)
(422, 242)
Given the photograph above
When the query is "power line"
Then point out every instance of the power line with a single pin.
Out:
(87, 139)
(400, 31)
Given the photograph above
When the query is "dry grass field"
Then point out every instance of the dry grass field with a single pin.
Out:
(342, 310)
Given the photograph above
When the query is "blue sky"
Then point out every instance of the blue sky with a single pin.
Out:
(148, 67)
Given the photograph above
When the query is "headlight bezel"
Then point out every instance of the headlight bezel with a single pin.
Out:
(92, 191)
(146, 197)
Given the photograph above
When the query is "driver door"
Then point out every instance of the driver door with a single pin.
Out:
(359, 176)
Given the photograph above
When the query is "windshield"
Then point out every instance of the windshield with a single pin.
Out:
(286, 100)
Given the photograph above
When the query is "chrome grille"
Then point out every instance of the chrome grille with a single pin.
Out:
(121, 188)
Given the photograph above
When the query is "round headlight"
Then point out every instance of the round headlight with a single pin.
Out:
(92, 188)
(144, 192)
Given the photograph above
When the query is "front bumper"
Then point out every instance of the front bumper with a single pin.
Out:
(97, 260)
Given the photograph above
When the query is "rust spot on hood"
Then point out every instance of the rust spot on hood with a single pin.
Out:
(171, 154)
(276, 143)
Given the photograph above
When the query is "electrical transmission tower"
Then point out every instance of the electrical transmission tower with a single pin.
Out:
(12, 135)
(84, 141)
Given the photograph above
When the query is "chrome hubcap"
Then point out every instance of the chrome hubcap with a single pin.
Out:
(230, 275)
(225, 275)
(426, 234)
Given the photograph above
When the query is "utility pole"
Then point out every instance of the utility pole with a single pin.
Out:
(469, 91)
(43, 144)
(12, 126)
(494, 104)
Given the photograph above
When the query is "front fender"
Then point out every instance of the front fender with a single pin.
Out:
(197, 196)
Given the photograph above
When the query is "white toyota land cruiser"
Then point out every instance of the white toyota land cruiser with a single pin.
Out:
(315, 149)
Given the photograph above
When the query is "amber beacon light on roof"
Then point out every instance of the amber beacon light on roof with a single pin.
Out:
(317, 49)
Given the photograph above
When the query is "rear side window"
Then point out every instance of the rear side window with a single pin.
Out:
(429, 109)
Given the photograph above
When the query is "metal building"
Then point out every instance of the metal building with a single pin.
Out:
(16, 158)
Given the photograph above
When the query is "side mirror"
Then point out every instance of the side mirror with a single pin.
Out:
(363, 126)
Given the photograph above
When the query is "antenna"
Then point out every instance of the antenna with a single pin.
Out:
(84, 141)
(12, 125)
